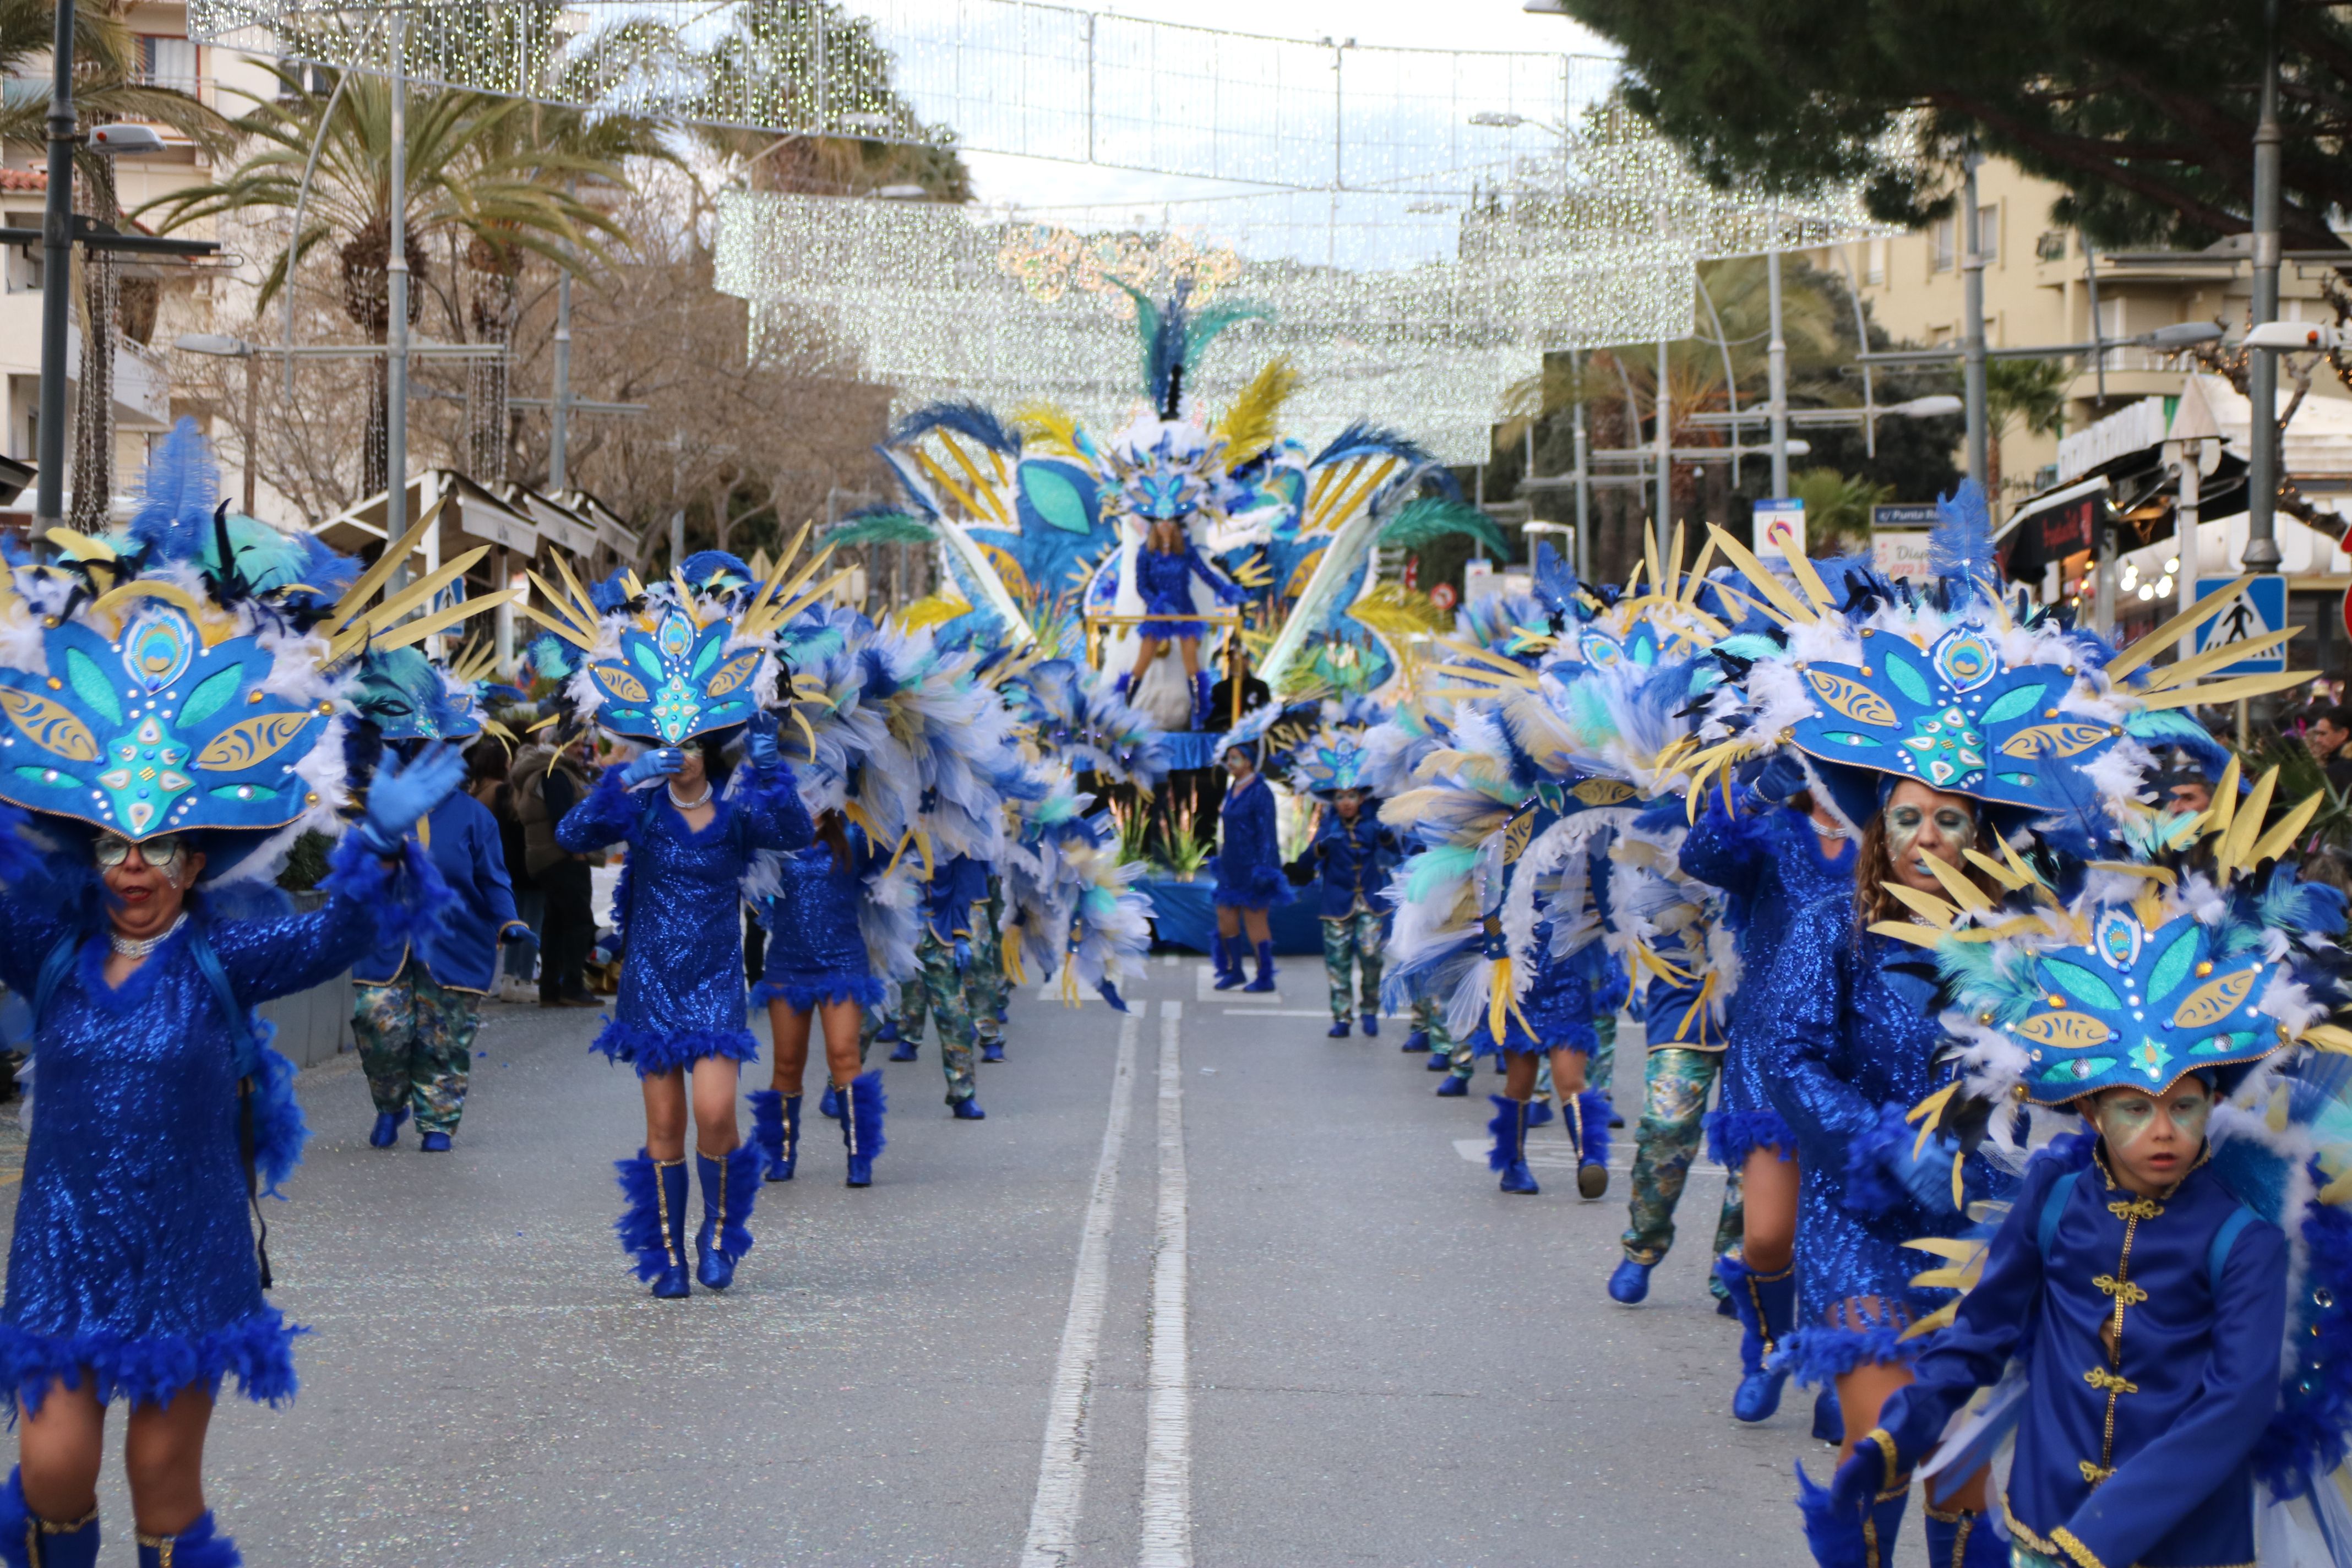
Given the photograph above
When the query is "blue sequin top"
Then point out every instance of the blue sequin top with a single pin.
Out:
(1767, 861)
(681, 995)
(816, 952)
(1850, 1044)
(1249, 861)
(132, 1255)
(1556, 1006)
(1165, 582)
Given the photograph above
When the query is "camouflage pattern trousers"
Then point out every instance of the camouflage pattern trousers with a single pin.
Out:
(1676, 1082)
(1352, 941)
(961, 997)
(416, 1045)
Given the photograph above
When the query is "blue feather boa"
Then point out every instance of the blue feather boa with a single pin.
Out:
(257, 1350)
(279, 1129)
(2305, 1439)
(1820, 1353)
(652, 1051)
(406, 899)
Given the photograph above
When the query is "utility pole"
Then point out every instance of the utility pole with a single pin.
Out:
(559, 473)
(2262, 552)
(56, 282)
(1583, 474)
(1777, 372)
(396, 278)
(1973, 355)
(1664, 522)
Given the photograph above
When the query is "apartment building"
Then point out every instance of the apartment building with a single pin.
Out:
(168, 297)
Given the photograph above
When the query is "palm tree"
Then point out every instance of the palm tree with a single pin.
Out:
(482, 171)
(107, 88)
(2031, 391)
(1837, 510)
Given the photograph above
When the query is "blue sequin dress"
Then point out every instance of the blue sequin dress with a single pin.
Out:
(816, 952)
(1556, 1006)
(1165, 582)
(1850, 1044)
(1767, 861)
(1249, 860)
(681, 995)
(133, 1259)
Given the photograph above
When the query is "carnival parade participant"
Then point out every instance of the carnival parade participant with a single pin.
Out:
(1772, 855)
(818, 970)
(415, 1002)
(1349, 858)
(952, 984)
(133, 1274)
(2141, 1279)
(1165, 565)
(1250, 881)
(691, 824)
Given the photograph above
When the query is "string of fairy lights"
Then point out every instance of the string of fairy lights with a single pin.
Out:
(1417, 228)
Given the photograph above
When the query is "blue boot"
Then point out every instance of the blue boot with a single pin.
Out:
(1538, 1112)
(1833, 1535)
(1202, 718)
(434, 1143)
(828, 1104)
(776, 1133)
(967, 1108)
(1418, 1040)
(1225, 952)
(1588, 1129)
(1338, 1031)
(1453, 1088)
(28, 1541)
(862, 1106)
(1961, 1539)
(885, 1033)
(201, 1545)
(1509, 1153)
(1372, 1026)
(992, 1051)
(1264, 980)
(1766, 1305)
(652, 1226)
(388, 1128)
(1829, 1420)
(730, 1184)
(1629, 1283)
(1881, 1523)
(907, 1047)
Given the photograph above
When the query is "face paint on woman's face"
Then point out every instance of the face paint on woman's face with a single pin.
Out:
(1915, 830)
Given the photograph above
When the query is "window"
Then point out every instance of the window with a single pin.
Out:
(20, 265)
(1940, 248)
(1875, 269)
(314, 79)
(168, 62)
(1989, 235)
(2051, 246)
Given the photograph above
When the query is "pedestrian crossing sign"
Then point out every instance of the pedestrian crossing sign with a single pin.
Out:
(2260, 609)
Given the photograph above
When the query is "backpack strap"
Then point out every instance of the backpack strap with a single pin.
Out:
(2052, 1205)
(2217, 1255)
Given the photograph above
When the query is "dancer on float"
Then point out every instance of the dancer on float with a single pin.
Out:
(681, 671)
(416, 1001)
(142, 923)
(1925, 720)
(2142, 1277)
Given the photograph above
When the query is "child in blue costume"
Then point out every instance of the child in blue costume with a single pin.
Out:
(681, 1000)
(1772, 858)
(817, 965)
(1852, 1043)
(1249, 873)
(133, 1273)
(952, 983)
(1348, 859)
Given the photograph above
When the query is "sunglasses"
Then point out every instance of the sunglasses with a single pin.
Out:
(165, 852)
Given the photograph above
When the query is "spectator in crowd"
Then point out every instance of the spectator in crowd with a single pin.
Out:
(487, 782)
(2324, 737)
(547, 783)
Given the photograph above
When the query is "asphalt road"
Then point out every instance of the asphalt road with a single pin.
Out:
(1307, 1329)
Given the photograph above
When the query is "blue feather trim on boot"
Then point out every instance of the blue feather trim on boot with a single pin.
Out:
(201, 1545)
(1833, 1535)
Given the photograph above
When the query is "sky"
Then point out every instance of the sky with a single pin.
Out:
(1499, 26)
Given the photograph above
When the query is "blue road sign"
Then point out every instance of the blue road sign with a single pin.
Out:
(2260, 609)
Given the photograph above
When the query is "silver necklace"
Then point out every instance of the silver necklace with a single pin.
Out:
(140, 947)
(1830, 831)
(701, 800)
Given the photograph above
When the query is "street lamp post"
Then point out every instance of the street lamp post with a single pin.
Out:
(396, 377)
(1973, 354)
(2261, 553)
(1776, 372)
(56, 280)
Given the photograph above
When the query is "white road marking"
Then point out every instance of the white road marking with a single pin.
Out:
(1062, 1469)
(1168, 1420)
(1276, 1012)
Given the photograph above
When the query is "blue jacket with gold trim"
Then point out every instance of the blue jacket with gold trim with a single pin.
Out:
(2150, 1329)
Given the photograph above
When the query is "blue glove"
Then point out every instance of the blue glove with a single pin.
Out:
(963, 954)
(1927, 1175)
(1859, 1480)
(400, 795)
(1230, 593)
(519, 936)
(760, 743)
(1781, 778)
(649, 766)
